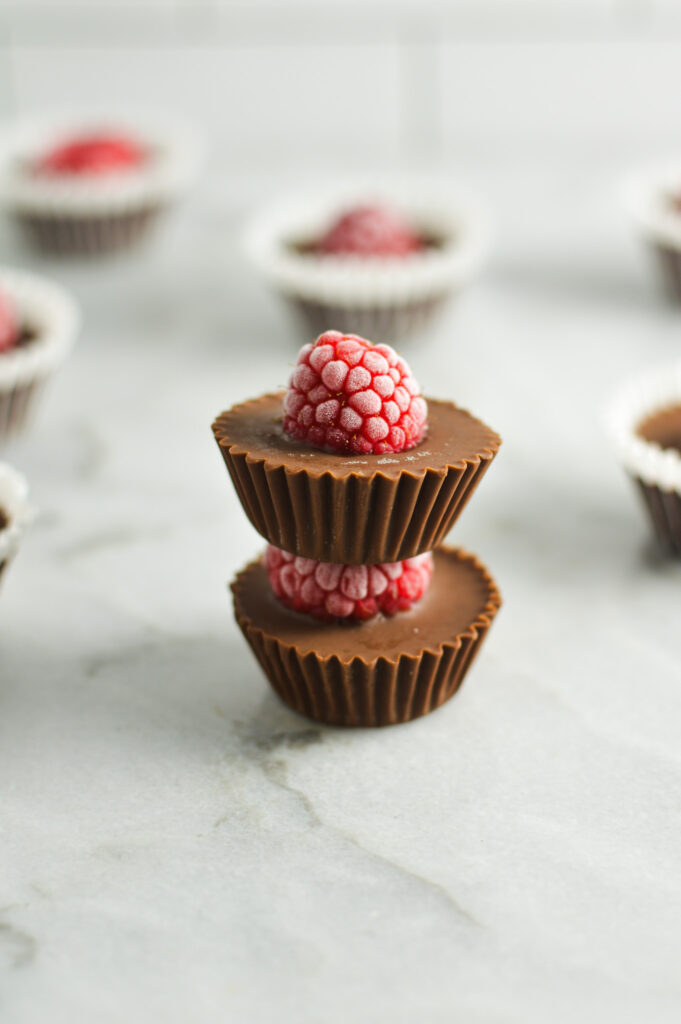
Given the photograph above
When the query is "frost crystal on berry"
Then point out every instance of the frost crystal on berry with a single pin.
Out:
(347, 395)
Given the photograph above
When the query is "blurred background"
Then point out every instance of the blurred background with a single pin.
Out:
(541, 105)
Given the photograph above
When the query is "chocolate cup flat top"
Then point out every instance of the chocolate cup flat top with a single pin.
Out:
(462, 595)
(454, 438)
(663, 428)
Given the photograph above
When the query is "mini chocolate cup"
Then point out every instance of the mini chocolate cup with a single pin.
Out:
(668, 261)
(381, 672)
(664, 510)
(353, 509)
(87, 234)
(388, 324)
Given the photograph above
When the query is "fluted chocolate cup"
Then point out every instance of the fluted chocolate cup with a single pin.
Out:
(358, 509)
(379, 672)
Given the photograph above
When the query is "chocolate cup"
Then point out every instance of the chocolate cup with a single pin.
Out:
(664, 509)
(662, 428)
(668, 261)
(86, 235)
(355, 509)
(380, 672)
(389, 324)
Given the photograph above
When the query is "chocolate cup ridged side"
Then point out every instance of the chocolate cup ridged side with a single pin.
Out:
(87, 235)
(669, 263)
(353, 517)
(387, 324)
(664, 510)
(16, 406)
(384, 690)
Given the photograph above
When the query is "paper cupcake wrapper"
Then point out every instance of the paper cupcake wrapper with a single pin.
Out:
(167, 174)
(14, 503)
(388, 689)
(656, 470)
(87, 236)
(351, 283)
(389, 324)
(52, 314)
(358, 517)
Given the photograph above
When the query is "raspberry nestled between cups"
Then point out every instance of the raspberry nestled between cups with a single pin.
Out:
(331, 591)
(348, 395)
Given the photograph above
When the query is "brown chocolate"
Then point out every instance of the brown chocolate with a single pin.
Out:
(380, 672)
(86, 235)
(4, 519)
(356, 509)
(663, 428)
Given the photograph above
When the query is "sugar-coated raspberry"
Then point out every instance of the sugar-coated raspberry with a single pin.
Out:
(93, 154)
(9, 324)
(330, 591)
(370, 231)
(347, 395)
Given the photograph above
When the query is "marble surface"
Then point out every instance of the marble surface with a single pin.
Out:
(177, 845)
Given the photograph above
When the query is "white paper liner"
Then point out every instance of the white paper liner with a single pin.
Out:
(641, 398)
(648, 196)
(51, 313)
(14, 503)
(166, 174)
(362, 282)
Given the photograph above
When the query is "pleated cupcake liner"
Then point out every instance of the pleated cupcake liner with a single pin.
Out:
(383, 324)
(382, 298)
(656, 471)
(88, 236)
(357, 518)
(388, 689)
(14, 505)
(53, 319)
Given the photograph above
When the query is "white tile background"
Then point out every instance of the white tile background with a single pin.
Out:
(274, 82)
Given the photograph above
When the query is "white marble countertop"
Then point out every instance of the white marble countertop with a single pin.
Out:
(177, 846)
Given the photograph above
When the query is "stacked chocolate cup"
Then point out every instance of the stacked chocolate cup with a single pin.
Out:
(342, 508)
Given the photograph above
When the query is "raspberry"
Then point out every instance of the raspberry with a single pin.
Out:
(330, 591)
(370, 231)
(9, 327)
(347, 395)
(92, 154)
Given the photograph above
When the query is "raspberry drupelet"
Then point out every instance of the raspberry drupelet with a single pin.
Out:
(330, 591)
(348, 395)
(370, 231)
(9, 326)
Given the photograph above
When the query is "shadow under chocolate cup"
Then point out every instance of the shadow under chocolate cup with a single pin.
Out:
(358, 509)
(383, 671)
(646, 424)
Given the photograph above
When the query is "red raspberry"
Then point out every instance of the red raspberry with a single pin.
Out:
(9, 327)
(347, 395)
(370, 231)
(330, 591)
(92, 154)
